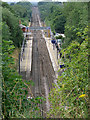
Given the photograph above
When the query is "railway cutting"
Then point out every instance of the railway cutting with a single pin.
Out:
(42, 73)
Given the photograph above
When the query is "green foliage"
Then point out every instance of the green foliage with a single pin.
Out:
(70, 98)
(76, 21)
(13, 25)
(59, 37)
(59, 22)
(23, 11)
(5, 31)
(14, 96)
(14, 89)
(53, 16)
(11, 15)
(5, 5)
(19, 10)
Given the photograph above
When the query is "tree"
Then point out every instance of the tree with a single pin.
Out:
(5, 31)
(76, 20)
(13, 24)
(58, 23)
(53, 15)
(23, 11)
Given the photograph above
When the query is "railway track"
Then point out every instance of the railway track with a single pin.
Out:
(42, 73)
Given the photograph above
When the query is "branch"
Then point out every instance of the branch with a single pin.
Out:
(70, 92)
(13, 88)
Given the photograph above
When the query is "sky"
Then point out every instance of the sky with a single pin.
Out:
(29, 0)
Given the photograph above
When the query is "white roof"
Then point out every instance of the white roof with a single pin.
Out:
(27, 33)
(22, 26)
(57, 34)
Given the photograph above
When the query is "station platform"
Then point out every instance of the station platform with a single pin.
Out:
(54, 56)
(26, 61)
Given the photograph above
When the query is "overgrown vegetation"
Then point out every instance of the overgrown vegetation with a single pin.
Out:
(69, 98)
(14, 90)
(14, 96)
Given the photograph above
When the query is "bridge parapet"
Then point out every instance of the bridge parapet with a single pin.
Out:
(39, 28)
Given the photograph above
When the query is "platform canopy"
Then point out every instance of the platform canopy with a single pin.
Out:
(27, 33)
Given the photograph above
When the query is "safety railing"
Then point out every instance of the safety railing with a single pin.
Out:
(22, 49)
